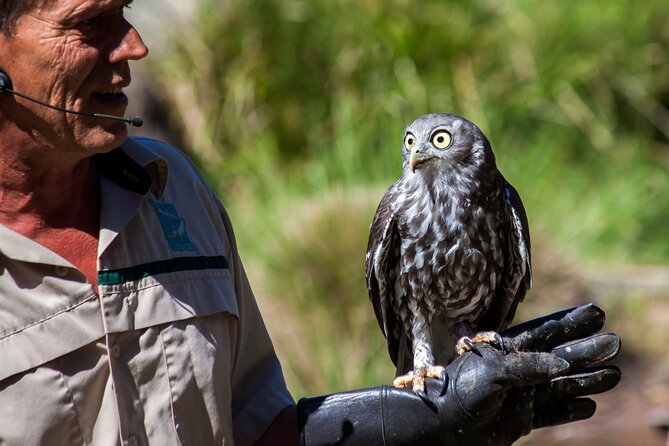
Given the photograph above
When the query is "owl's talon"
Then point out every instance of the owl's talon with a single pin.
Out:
(444, 385)
(500, 340)
(423, 396)
(416, 380)
(470, 346)
(434, 371)
(466, 343)
(404, 381)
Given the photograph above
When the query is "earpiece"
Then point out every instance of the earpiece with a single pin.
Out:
(5, 82)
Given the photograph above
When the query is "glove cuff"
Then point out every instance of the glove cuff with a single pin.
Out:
(350, 418)
(378, 415)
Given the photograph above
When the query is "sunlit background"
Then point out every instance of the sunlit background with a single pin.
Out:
(295, 111)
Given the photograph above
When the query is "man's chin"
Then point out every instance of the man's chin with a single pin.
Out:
(104, 138)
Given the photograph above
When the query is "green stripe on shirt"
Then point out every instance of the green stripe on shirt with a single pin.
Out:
(118, 276)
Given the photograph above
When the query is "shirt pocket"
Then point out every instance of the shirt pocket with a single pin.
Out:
(50, 334)
(168, 297)
(198, 356)
(37, 408)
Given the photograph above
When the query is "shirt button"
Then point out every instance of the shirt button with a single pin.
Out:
(116, 352)
(132, 441)
(61, 271)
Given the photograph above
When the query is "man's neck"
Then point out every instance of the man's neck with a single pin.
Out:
(58, 208)
(35, 195)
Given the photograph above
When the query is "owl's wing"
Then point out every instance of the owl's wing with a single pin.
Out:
(517, 278)
(382, 269)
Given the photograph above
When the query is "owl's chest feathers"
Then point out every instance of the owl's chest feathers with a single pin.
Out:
(451, 249)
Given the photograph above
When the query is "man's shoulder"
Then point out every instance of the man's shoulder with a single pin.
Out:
(147, 151)
(165, 164)
(144, 150)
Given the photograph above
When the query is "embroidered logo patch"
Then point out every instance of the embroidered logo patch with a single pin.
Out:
(174, 227)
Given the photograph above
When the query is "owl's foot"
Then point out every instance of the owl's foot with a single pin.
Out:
(466, 344)
(416, 378)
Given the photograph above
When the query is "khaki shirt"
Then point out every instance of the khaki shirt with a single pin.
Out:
(173, 351)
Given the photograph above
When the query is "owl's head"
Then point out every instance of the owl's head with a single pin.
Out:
(443, 141)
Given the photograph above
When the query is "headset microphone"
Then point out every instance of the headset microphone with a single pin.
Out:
(6, 86)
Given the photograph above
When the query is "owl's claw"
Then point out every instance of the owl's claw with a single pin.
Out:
(416, 380)
(423, 396)
(466, 344)
(444, 385)
(404, 381)
(500, 340)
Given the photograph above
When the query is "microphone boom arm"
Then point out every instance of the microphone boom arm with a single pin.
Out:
(6, 86)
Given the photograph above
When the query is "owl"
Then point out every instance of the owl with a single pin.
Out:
(448, 259)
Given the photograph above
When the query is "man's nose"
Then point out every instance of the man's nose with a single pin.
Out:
(130, 47)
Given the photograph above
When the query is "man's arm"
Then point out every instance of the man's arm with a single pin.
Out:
(283, 431)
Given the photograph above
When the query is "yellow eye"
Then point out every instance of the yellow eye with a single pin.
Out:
(441, 139)
(409, 141)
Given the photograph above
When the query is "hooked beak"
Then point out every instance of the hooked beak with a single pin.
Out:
(417, 157)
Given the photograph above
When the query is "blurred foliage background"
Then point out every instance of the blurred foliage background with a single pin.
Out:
(296, 109)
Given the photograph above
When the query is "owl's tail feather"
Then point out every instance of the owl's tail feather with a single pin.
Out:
(404, 356)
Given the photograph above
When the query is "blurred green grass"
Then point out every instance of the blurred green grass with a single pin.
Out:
(296, 109)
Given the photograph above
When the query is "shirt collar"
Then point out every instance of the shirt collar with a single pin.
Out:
(18, 247)
(123, 171)
(138, 165)
(134, 167)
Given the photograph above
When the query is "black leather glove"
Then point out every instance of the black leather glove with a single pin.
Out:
(488, 398)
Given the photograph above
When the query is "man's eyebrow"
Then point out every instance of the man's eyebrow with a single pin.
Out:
(93, 8)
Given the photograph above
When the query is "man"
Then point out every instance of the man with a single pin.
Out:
(125, 313)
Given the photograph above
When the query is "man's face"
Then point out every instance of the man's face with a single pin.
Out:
(74, 54)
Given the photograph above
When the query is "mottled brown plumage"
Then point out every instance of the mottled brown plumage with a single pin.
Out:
(449, 248)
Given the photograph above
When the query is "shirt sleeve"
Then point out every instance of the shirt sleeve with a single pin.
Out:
(259, 390)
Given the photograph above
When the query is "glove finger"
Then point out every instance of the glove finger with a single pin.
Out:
(589, 351)
(589, 382)
(586, 382)
(529, 368)
(547, 332)
(517, 412)
(553, 414)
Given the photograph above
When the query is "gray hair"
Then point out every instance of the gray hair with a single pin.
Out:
(11, 11)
